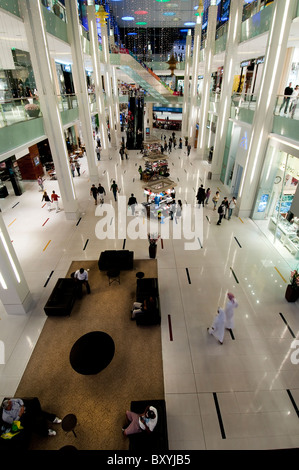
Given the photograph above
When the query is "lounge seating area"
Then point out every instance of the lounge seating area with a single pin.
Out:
(145, 289)
(62, 298)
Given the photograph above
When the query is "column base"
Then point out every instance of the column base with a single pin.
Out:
(20, 309)
(73, 215)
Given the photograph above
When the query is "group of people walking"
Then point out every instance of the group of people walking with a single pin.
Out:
(98, 191)
(224, 319)
(226, 207)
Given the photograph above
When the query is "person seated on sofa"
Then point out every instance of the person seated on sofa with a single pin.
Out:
(31, 416)
(81, 277)
(145, 421)
(147, 306)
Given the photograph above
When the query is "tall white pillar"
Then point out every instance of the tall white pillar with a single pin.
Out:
(41, 62)
(14, 291)
(148, 117)
(74, 32)
(193, 90)
(231, 62)
(283, 14)
(208, 62)
(101, 14)
(95, 54)
(185, 116)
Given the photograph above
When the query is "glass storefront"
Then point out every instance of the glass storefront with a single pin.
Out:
(274, 211)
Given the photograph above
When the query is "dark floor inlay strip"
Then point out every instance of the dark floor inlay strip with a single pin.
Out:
(188, 276)
(170, 328)
(162, 246)
(234, 275)
(45, 285)
(78, 222)
(208, 219)
(231, 333)
(15, 205)
(284, 320)
(86, 244)
(237, 241)
(293, 401)
(199, 242)
(124, 244)
(219, 415)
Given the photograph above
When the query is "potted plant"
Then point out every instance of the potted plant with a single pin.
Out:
(292, 292)
(32, 110)
(152, 249)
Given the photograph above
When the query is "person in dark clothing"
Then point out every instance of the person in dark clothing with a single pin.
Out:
(114, 189)
(201, 195)
(94, 193)
(221, 212)
(132, 203)
(225, 202)
(288, 91)
(102, 193)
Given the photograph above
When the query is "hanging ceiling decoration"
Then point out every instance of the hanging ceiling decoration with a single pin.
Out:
(102, 15)
(172, 64)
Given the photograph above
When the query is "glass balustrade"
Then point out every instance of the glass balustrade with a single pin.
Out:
(287, 107)
(18, 109)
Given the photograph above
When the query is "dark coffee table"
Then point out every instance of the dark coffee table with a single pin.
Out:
(92, 353)
(140, 275)
(113, 276)
(69, 423)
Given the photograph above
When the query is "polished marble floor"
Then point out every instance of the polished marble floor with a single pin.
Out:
(243, 394)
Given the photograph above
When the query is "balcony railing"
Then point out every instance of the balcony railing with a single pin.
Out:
(17, 110)
(287, 106)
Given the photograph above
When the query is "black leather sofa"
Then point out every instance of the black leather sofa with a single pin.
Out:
(116, 259)
(148, 287)
(62, 298)
(157, 440)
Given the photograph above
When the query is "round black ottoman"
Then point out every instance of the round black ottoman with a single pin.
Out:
(92, 353)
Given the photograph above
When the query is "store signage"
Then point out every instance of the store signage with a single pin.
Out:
(66, 68)
(260, 60)
(246, 63)
(168, 110)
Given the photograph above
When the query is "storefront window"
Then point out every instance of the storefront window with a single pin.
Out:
(273, 208)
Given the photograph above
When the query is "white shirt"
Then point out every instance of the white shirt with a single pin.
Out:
(81, 277)
(151, 423)
(232, 204)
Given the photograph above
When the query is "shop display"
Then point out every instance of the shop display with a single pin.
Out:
(287, 232)
(158, 202)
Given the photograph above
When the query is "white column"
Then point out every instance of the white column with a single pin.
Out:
(41, 62)
(283, 14)
(95, 54)
(74, 32)
(193, 90)
(14, 291)
(148, 117)
(185, 114)
(208, 62)
(231, 63)
(109, 85)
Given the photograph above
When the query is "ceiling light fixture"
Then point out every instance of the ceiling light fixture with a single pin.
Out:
(141, 12)
(128, 18)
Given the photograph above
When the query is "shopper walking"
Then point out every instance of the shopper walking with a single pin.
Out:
(288, 91)
(218, 327)
(114, 189)
(201, 195)
(208, 193)
(221, 212)
(215, 200)
(102, 193)
(94, 193)
(77, 165)
(47, 200)
(40, 182)
(231, 206)
(54, 199)
(73, 168)
(132, 203)
(229, 310)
